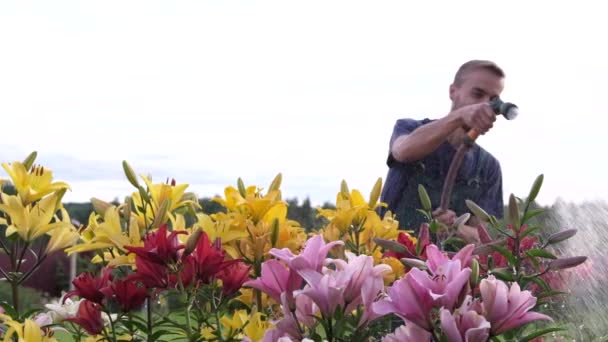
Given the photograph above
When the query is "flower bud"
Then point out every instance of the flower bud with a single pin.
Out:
(344, 190)
(274, 232)
(375, 194)
(130, 174)
(514, 214)
(161, 214)
(414, 263)
(241, 187)
(424, 198)
(29, 160)
(478, 211)
(474, 273)
(561, 236)
(535, 188)
(100, 206)
(276, 183)
(391, 245)
(192, 241)
(560, 264)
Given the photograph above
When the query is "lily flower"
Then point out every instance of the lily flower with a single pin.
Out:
(506, 308)
(63, 236)
(89, 317)
(312, 257)
(409, 332)
(33, 185)
(465, 324)
(27, 221)
(24, 332)
(88, 287)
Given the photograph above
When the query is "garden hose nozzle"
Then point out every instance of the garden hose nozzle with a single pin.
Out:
(506, 109)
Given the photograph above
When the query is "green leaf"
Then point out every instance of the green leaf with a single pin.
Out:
(541, 253)
(426, 214)
(506, 253)
(506, 232)
(529, 231)
(540, 333)
(546, 294)
(503, 274)
(531, 213)
(8, 309)
(433, 227)
(455, 242)
(540, 282)
(538, 182)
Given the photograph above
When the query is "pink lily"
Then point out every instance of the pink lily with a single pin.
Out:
(275, 280)
(408, 300)
(506, 308)
(447, 276)
(436, 258)
(408, 333)
(312, 257)
(465, 324)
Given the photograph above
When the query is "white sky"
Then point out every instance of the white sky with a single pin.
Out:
(210, 91)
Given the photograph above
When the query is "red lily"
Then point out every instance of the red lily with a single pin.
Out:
(152, 275)
(158, 247)
(89, 317)
(128, 295)
(206, 260)
(89, 287)
(233, 276)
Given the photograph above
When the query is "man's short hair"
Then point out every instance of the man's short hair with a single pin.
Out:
(477, 64)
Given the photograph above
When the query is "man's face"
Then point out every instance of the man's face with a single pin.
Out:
(477, 86)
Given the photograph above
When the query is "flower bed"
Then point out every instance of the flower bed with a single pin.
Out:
(171, 272)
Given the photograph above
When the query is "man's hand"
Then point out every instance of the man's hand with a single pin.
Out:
(446, 217)
(479, 116)
(467, 233)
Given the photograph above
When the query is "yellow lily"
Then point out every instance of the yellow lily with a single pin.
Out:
(28, 331)
(33, 185)
(109, 235)
(272, 231)
(257, 327)
(222, 229)
(63, 236)
(387, 229)
(232, 325)
(250, 202)
(27, 221)
(159, 193)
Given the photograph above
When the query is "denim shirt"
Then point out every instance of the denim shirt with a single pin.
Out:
(479, 179)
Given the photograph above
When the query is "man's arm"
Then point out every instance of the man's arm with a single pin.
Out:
(426, 139)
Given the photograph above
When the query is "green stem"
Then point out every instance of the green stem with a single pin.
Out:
(149, 318)
(111, 324)
(330, 331)
(20, 260)
(188, 307)
(15, 288)
(257, 270)
(31, 270)
(217, 315)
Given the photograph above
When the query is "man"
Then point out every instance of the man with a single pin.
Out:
(421, 152)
